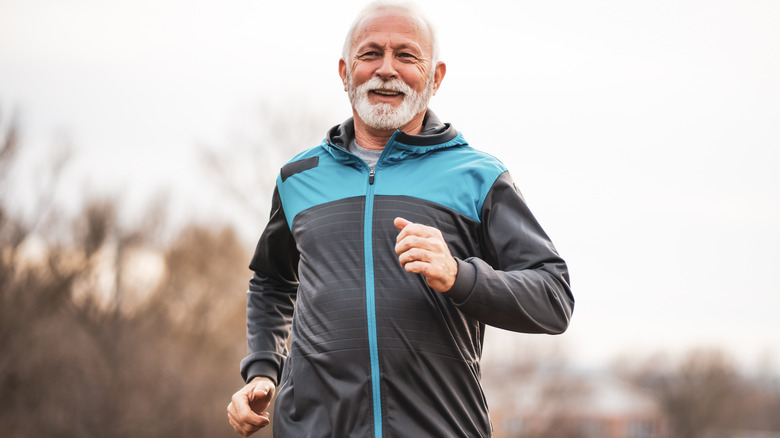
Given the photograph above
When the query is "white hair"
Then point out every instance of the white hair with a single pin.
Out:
(380, 5)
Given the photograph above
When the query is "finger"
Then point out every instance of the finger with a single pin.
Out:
(418, 267)
(261, 390)
(419, 230)
(246, 429)
(243, 429)
(435, 278)
(408, 243)
(261, 395)
(430, 244)
(237, 427)
(264, 384)
(240, 410)
(414, 255)
(240, 423)
(413, 229)
(401, 223)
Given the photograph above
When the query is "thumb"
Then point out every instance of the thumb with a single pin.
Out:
(262, 389)
(400, 223)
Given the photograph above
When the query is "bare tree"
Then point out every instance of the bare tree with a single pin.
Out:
(245, 169)
(533, 393)
(703, 394)
(75, 361)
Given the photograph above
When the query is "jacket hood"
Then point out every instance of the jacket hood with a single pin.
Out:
(434, 133)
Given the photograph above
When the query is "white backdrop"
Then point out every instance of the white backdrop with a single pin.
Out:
(645, 135)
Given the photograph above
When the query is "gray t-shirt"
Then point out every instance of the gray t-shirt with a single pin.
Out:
(370, 156)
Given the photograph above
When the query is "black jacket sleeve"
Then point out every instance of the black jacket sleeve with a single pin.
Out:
(522, 284)
(271, 297)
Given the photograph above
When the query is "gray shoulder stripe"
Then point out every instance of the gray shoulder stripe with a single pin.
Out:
(291, 169)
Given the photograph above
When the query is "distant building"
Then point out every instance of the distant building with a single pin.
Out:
(564, 405)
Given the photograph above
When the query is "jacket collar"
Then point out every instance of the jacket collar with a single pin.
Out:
(434, 133)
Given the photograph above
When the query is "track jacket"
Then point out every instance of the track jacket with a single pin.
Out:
(374, 351)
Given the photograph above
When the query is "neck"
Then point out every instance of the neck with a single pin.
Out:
(370, 138)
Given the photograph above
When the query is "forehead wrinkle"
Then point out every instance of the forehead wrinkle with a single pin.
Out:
(418, 31)
(411, 44)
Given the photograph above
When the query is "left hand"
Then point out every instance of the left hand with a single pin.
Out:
(247, 409)
(422, 250)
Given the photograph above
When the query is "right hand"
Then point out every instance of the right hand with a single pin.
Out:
(422, 250)
(247, 409)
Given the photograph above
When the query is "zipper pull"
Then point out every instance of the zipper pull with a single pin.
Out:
(371, 177)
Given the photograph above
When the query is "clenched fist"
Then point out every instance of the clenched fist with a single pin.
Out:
(422, 250)
(247, 409)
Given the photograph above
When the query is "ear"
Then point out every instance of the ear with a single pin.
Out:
(438, 75)
(343, 73)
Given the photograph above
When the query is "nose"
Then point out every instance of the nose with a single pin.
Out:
(387, 69)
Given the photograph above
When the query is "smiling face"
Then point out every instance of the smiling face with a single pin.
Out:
(389, 72)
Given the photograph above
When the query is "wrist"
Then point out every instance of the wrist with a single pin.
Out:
(263, 380)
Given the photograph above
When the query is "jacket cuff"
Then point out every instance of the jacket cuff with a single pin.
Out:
(464, 282)
(260, 368)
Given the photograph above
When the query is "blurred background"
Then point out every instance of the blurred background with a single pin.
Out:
(139, 143)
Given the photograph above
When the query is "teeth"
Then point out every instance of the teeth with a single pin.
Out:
(386, 92)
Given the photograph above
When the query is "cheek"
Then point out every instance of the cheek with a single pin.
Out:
(415, 78)
(360, 74)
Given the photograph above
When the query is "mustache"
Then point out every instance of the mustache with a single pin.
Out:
(376, 83)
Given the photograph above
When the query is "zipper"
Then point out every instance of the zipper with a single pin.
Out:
(373, 348)
(368, 248)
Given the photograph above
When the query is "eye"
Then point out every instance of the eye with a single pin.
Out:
(407, 57)
(370, 54)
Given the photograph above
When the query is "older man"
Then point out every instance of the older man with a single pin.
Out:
(389, 247)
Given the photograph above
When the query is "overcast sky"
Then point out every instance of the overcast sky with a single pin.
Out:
(645, 135)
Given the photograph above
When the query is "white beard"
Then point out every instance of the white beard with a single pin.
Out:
(383, 116)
